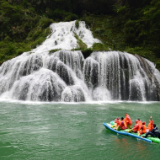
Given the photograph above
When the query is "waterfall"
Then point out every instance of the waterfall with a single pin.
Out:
(65, 76)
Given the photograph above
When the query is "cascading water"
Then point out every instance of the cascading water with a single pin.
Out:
(126, 77)
(66, 76)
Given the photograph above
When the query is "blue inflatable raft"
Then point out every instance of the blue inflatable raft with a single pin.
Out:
(124, 132)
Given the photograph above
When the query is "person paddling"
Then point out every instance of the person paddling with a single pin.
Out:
(154, 132)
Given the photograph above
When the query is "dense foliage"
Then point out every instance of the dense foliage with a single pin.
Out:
(140, 24)
(125, 25)
(134, 27)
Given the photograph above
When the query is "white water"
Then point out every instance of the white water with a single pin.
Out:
(63, 37)
(66, 76)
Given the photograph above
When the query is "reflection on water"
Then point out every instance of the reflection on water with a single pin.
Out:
(131, 148)
(75, 131)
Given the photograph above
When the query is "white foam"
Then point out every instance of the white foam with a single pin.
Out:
(63, 37)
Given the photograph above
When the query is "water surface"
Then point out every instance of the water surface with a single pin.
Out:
(72, 131)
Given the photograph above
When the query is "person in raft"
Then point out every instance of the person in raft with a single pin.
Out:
(143, 129)
(128, 121)
(122, 125)
(154, 132)
(118, 122)
(150, 124)
(136, 127)
(139, 122)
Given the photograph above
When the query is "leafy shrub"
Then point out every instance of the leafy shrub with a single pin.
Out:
(99, 30)
(100, 47)
(53, 50)
(77, 24)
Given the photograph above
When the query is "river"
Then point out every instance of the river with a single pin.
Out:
(72, 131)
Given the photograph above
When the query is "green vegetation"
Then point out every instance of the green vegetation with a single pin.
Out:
(77, 24)
(81, 44)
(139, 24)
(22, 30)
(53, 50)
(131, 26)
(100, 47)
(134, 30)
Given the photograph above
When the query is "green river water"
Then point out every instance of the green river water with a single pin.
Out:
(57, 131)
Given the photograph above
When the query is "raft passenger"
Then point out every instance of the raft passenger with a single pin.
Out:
(136, 127)
(116, 119)
(139, 122)
(122, 125)
(143, 129)
(128, 121)
(150, 125)
(118, 122)
(154, 132)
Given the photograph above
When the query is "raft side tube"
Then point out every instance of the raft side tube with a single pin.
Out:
(154, 139)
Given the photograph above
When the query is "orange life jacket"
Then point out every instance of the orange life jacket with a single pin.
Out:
(127, 119)
(143, 129)
(140, 125)
(136, 128)
(118, 123)
(123, 125)
(150, 125)
(140, 122)
(115, 120)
